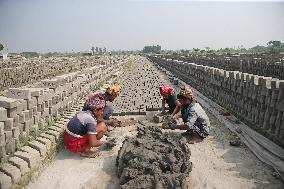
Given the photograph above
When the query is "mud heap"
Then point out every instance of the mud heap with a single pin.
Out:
(153, 159)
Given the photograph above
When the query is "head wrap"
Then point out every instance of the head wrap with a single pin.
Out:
(113, 89)
(166, 90)
(95, 102)
(186, 92)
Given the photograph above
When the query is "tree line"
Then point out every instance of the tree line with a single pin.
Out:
(273, 46)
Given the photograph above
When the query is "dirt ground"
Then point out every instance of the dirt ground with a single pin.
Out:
(216, 164)
(70, 170)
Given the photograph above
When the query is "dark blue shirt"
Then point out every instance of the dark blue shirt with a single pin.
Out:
(193, 115)
(83, 123)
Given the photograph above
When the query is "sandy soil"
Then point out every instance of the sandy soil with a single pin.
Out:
(70, 170)
(216, 164)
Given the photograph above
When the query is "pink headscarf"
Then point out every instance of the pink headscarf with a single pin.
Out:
(95, 102)
(166, 90)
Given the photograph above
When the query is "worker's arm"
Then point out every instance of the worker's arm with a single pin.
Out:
(177, 115)
(94, 135)
(163, 106)
(177, 108)
(94, 141)
(190, 119)
(112, 122)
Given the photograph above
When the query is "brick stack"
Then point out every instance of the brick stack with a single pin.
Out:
(140, 89)
(27, 111)
(265, 65)
(19, 73)
(257, 100)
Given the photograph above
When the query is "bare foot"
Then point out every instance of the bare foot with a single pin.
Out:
(195, 139)
(187, 133)
(89, 154)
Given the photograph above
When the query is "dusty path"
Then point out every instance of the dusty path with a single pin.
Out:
(216, 164)
(70, 170)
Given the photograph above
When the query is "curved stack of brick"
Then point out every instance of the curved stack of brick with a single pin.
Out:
(256, 100)
(41, 112)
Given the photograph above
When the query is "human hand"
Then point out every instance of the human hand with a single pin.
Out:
(170, 119)
(115, 122)
(110, 143)
(169, 126)
(172, 126)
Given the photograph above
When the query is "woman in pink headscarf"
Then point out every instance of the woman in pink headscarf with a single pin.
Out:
(83, 131)
(169, 97)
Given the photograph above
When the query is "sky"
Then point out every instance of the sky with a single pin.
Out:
(77, 25)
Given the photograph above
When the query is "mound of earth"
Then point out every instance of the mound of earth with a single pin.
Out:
(153, 159)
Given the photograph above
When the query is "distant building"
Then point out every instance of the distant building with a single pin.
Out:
(4, 56)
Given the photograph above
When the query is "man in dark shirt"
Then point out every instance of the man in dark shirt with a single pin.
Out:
(110, 94)
(170, 98)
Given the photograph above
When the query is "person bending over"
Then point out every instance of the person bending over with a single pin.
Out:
(83, 131)
(110, 94)
(195, 120)
(170, 98)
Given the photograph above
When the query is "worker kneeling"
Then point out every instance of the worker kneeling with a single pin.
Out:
(195, 120)
(83, 131)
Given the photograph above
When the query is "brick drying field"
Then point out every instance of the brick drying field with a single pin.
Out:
(36, 105)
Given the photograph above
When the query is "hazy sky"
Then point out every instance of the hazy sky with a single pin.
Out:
(66, 25)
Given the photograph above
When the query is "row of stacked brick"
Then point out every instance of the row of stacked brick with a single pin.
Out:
(19, 73)
(140, 89)
(257, 100)
(266, 65)
(27, 110)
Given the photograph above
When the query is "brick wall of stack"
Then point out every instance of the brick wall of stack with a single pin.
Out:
(25, 111)
(18, 73)
(45, 107)
(265, 65)
(257, 100)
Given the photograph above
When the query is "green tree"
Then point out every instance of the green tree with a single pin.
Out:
(259, 49)
(274, 46)
(30, 54)
(1, 47)
(152, 49)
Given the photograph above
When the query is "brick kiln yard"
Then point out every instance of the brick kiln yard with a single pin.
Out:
(150, 157)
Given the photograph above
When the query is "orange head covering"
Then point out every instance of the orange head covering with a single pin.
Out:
(113, 89)
(186, 92)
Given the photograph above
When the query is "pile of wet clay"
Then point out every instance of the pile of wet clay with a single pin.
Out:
(153, 159)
